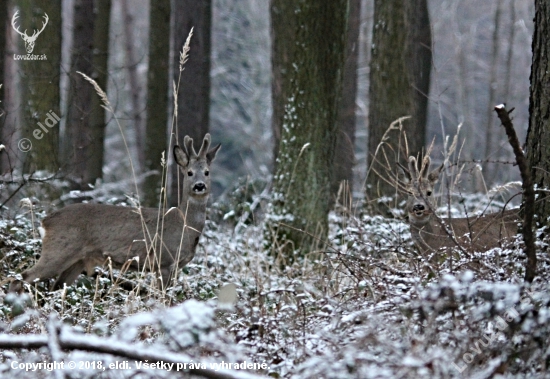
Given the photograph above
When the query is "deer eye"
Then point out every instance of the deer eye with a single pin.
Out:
(206, 173)
(429, 193)
(189, 173)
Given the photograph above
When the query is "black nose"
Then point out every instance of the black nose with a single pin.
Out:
(418, 207)
(199, 187)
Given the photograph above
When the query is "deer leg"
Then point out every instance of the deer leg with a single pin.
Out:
(69, 275)
(50, 264)
(166, 274)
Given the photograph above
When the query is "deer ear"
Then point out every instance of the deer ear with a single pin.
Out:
(211, 155)
(433, 176)
(180, 156)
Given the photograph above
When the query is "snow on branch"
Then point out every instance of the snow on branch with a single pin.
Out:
(189, 317)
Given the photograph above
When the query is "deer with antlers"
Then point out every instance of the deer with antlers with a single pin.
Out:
(81, 236)
(431, 233)
(29, 40)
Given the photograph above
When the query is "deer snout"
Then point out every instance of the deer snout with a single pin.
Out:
(419, 210)
(418, 207)
(199, 187)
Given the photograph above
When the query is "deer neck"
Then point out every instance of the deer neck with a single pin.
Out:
(422, 230)
(194, 210)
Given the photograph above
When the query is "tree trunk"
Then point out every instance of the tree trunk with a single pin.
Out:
(134, 82)
(280, 55)
(40, 79)
(3, 45)
(538, 134)
(157, 98)
(11, 120)
(102, 17)
(78, 137)
(194, 90)
(311, 35)
(489, 168)
(399, 84)
(345, 145)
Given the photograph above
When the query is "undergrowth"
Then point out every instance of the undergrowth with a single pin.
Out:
(368, 305)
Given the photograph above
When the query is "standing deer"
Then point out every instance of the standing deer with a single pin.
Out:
(81, 236)
(430, 232)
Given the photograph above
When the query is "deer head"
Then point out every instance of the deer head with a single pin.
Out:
(420, 183)
(29, 40)
(195, 167)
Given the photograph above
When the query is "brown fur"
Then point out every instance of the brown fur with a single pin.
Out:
(80, 237)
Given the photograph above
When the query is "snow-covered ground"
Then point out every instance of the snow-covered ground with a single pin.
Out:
(367, 306)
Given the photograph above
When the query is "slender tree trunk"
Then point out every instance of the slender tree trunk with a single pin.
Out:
(538, 134)
(194, 91)
(510, 52)
(157, 98)
(3, 45)
(135, 87)
(399, 84)
(313, 35)
(102, 17)
(345, 146)
(78, 137)
(40, 79)
(488, 167)
(11, 126)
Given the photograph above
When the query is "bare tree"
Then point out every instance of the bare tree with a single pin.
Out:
(489, 131)
(3, 44)
(40, 79)
(135, 87)
(312, 34)
(157, 97)
(345, 145)
(538, 135)
(194, 84)
(78, 139)
(100, 59)
(85, 128)
(399, 79)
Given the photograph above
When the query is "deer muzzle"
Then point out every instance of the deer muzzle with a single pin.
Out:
(199, 188)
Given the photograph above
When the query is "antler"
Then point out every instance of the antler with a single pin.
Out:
(16, 28)
(205, 146)
(36, 33)
(188, 143)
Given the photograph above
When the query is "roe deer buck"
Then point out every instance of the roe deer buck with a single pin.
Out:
(81, 236)
(430, 232)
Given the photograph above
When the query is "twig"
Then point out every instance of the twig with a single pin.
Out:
(53, 343)
(528, 192)
(21, 185)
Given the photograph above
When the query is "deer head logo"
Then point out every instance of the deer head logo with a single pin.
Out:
(29, 40)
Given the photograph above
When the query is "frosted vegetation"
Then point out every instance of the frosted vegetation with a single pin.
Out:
(368, 305)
